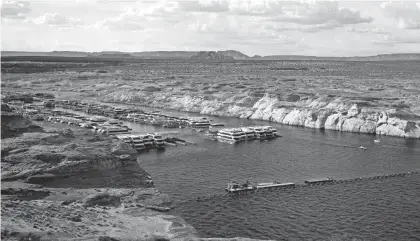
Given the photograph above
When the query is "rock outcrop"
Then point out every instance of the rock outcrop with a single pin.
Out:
(87, 214)
(13, 124)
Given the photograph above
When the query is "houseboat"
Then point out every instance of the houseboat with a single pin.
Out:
(272, 129)
(233, 187)
(260, 133)
(138, 142)
(98, 119)
(112, 130)
(198, 122)
(217, 124)
(231, 135)
(113, 122)
(125, 139)
(158, 140)
(249, 133)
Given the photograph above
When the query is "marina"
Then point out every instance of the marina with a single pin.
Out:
(108, 120)
(137, 115)
(109, 126)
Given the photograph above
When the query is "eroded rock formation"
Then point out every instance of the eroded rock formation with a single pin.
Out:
(332, 113)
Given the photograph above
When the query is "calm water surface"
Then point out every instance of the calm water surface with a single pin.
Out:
(385, 209)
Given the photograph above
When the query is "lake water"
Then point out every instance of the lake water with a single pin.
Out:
(383, 209)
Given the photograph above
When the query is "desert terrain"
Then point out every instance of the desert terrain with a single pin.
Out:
(365, 97)
(61, 182)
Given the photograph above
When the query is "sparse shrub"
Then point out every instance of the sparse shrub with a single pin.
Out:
(292, 98)
(82, 77)
(288, 80)
(152, 89)
(257, 93)
(240, 86)
(102, 199)
(401, 105)
(369, 98)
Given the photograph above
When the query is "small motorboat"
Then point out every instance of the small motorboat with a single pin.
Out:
(237, 187)
(377, 141)
(363, 148)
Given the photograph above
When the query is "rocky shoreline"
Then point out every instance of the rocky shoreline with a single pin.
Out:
(61, 183)
(327, 113)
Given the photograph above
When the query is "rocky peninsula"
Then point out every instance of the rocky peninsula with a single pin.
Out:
(61, 182)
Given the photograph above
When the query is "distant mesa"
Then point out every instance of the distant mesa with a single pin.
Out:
(226, 55)
(211, 56)
(117, 55)
(235, 54)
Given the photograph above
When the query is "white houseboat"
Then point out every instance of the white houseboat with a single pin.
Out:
(231, 135)
(260, 133)
(158, 140)
(233, 187)
(138, 142)
(198, 122)
(249, 133)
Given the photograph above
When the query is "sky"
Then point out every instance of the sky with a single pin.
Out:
(253, 27)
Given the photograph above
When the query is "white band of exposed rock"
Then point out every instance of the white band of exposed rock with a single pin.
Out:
(321, 113)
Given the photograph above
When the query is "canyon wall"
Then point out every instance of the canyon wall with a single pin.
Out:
(331, 113)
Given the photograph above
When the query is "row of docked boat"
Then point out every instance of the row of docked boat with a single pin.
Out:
(137, 115)
(112, 127)
(144, 142)
(97, 124)
(234, 187)
(235, 135)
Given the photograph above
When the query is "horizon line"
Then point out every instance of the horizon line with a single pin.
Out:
(250, 56)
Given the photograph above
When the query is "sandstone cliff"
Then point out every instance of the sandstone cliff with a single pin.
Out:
(322, 112)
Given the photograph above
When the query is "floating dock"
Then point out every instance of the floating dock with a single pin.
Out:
(274, 185)
(319, 180)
